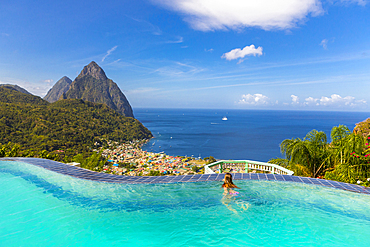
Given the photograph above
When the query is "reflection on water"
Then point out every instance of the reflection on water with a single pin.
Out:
(77, 212)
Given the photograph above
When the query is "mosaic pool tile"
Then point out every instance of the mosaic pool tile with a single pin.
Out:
(279, 177)
(315, 181)
(306, 180)
(246, 176)
(111, 178)
(220, 177)
(296, 179)
(270, 176)
(237, 176)
(287, 178)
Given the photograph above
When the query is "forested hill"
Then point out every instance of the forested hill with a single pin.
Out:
(15, 87)
(67, 124)
(11, 95)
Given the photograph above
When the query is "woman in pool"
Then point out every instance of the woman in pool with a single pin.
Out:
(229, 194)
(229, 185)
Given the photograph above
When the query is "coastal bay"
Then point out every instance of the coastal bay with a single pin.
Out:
(247, 134)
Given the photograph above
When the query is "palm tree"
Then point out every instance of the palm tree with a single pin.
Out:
(345, 159)
(308, 155)
(349, 159)
(339, 142)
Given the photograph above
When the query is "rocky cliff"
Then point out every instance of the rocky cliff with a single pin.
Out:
(93, 85)
(58, 89)
(363, 128)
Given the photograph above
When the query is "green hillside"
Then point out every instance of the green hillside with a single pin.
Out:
(11, 95)
(15, 87)
(67, 124)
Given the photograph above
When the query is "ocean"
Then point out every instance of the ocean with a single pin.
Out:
(246, 134)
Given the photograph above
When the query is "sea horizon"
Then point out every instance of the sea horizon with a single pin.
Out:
(237, 109)
(247, 134)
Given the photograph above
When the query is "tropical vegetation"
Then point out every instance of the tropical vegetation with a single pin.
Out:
(66, 130)
(73, 124)
(346, 158)
(88, 160)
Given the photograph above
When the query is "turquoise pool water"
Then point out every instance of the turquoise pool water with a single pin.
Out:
(42, 208)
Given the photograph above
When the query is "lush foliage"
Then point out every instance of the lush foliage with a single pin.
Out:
(15, 87)
(209, 159)
(89, 160)
(9, 95)
(346, 158)
(363, 128)
(93, 162)
(73, 125)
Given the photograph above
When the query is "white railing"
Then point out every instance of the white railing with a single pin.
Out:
(245, 166)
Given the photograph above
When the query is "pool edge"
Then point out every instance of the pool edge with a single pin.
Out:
(82, 173)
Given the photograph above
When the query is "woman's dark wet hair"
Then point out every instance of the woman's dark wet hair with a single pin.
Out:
(228, 181)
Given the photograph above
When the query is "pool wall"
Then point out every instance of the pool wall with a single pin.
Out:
(81, 173)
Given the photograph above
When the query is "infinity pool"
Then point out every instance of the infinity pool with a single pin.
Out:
(39, 207)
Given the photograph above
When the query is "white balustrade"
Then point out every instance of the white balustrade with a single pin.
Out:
(247, 165)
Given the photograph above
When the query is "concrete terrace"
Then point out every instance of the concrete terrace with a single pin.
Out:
(81, 173)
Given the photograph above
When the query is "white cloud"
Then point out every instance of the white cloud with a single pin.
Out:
(207, 15)
(48, 81)
(177, 69)
(147, 26)
(37, 88)
(209, 50)
(359, 2)
(239, 53)
(295, 99)
(255, 99)
(311, 101)
(324, 43)
(179, 40)
(334, 100)
(109, 52)
(142, 90)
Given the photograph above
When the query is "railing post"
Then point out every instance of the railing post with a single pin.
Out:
(248, 165)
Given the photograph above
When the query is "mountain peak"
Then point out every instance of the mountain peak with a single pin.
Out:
(94, 70)
(58, 89)
(93, 85)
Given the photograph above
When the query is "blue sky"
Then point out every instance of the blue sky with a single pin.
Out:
(267, 54)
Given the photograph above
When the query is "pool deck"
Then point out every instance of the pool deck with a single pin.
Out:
(81, 173)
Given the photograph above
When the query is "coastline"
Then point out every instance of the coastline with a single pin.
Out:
(247, 134)
(129, 159)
